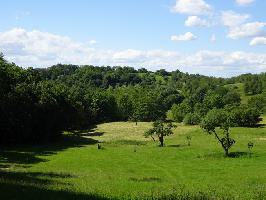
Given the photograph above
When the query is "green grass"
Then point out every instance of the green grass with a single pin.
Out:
(133, 167)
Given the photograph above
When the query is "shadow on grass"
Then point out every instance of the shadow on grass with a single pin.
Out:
(128, 142)
(31, 178)
(17, 157)
(221, 155)
(261, 126)
(29, 154)
(145, 179)
(239, 154)
(175, 145)
(93, 134)
(90, 132)
(21, 185)
(36, 185)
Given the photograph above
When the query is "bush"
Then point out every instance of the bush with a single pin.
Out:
(179, 111)
(244, 116)
(192, 119)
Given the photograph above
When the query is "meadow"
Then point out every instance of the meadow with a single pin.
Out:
(130, 166)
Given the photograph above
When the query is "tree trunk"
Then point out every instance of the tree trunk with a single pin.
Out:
(161, 140)
(225, 149)
(226, 152)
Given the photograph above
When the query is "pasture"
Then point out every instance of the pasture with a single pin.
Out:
(130, 166)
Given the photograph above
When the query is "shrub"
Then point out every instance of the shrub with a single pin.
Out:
(192, 119)
(179, 111)
(245, 116)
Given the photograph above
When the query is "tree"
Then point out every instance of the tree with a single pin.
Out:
(218, 118)
(258, 102)
(192, 119)
(179, 111)
(232, 98)
(213, 100)
(160, 129)
(162, 72)
(2, 57)
(124, 105)
(253, 85)
(245, 116)
(147, 106)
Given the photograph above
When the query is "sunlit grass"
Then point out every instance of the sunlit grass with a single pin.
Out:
(132, 166)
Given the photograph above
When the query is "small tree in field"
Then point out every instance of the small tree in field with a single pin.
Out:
(160, 129)
(219, 119)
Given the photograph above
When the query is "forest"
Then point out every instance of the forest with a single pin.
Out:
(38, 104)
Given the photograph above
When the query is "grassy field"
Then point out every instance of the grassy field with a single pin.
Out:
(133, 167)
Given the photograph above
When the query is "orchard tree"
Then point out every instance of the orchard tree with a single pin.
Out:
(160, 129)
(219, 119)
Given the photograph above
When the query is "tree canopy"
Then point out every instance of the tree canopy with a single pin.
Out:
(38, 104)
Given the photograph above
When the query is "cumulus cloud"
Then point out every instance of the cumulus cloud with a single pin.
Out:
(258, 41)
(244, 2)
(92, 42)
(192, 7)
(231, 18)
(230, 62)
(41, 49)
(196, 21)
(239, 27)
(188, 36)
(252, 29)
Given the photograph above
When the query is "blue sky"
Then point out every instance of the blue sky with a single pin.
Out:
(220, 38)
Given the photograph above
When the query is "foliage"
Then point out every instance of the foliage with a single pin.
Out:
(160, 129)
(245, 116)
(253, 85)
(179, 111)
(37, 105)
(192, 119)
(258, 102)
(217, 118)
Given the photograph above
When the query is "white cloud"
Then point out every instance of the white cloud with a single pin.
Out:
(247, 30)
(244, 2)
(129, 55)
(192, 7)
(196, 21)
(258, 41)
(188, 36)
(41, 49)
(229, 63)
(92, 42)
(231, 19)
(213, 38)
(238, 27)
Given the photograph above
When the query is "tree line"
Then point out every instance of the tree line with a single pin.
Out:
(37, 105)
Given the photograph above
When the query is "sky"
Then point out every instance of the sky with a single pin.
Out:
(211, 37)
